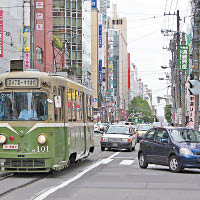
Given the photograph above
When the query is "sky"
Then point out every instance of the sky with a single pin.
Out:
(146, 43)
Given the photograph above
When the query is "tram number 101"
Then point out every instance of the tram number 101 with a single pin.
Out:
(42, 149)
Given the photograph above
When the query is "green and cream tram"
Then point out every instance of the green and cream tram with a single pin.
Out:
(45, 122)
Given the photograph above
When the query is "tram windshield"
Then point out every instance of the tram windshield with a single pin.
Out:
(23, 106)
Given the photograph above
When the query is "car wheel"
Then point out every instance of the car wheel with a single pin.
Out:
(174, 164)
(143, 161)
(102, 148)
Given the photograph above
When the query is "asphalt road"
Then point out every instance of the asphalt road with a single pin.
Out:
(105, 175)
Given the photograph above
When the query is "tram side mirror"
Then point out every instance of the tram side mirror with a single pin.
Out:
(57, 101)
(49, 101)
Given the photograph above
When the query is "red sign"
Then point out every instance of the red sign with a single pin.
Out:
(1, 33)
(191, 112)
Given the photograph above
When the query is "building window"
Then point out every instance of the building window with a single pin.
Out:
(39, 54)
(113, 22)
(121, 21)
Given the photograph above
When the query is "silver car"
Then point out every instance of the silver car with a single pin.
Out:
(119, 137)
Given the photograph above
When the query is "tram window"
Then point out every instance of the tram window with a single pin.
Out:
(74, 105)
(23, 106)
(91, 108)
(69, 104)
(61, 110)
(78, 105)
(55, 110)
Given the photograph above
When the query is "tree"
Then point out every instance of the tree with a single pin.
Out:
(168, 113)
(141, 109)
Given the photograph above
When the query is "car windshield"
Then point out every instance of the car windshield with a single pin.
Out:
(24, 106)
(118, 130)
(144, 127)
(185, 135)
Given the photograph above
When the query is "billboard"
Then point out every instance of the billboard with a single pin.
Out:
(1, 33)
(26, 39)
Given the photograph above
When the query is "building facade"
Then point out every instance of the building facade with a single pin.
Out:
(120, 24)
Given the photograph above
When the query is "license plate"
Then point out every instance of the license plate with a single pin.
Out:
(10, 146)
(114, 144)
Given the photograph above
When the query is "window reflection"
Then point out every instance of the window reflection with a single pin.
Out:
(23, 106)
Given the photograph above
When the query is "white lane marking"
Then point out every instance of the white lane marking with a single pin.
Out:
(64, 184)
(152, 165)
(127, 162)
(130, 158)
(106, 161)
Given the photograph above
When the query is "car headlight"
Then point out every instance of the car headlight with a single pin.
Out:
(104, 139)
(124, 140)
(2, 139)
(42, 138)
(185, 151)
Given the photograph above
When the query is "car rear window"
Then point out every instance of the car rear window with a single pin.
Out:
(118, 130)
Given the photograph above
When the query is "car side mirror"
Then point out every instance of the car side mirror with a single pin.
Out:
(164, 141)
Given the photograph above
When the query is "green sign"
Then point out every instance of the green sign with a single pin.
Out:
(183, 57)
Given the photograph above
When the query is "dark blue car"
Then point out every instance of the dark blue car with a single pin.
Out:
(177, 148)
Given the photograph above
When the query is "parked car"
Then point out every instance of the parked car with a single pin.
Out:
(96, 128)
(130, 124)
(177, 148)
(103, 127)
(141, 129)
(119, 137)
(157, 124)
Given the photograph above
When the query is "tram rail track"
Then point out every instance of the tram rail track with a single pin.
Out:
(22, 185)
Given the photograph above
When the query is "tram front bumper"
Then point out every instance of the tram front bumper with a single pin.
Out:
(25, 162)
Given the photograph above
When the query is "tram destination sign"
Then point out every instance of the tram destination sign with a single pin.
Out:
(22, 82)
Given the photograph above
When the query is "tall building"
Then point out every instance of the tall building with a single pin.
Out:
(41, 50)
(11, 32)
(120, 24)
(72, 26)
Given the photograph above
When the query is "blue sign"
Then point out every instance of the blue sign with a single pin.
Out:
(100, 71)
(100, 36)
(94, 3)
(95, 100)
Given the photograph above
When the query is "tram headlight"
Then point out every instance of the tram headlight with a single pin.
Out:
(42, 138)
(2, 139)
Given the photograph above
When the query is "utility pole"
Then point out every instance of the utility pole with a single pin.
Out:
(177, 77)
(195, 71)
(183, 42)
(176, 74)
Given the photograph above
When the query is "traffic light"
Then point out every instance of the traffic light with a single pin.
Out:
(194, 87)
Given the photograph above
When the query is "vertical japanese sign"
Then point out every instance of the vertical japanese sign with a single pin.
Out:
(100, 36)
(183, 57)
(1, 33)
(191, 111)
(26, 39)
(100, 71)
(27, 60)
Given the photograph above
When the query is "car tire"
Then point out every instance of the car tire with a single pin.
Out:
(174, 164)
(102, 148)
(142, 161)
